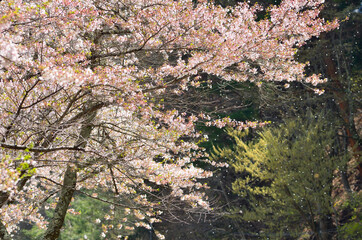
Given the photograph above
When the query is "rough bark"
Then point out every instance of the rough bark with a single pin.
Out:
(344, 109)
(346, 185)
(4, 196)
(68, 188)
(70, 181)
(3, 232)
(324, 228)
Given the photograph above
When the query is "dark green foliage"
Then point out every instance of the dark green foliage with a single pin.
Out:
(353, 228)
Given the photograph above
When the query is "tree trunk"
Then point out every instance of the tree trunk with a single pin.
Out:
(344, 108)
(4, 235)
(56, 223)
(70, 177)
(323, 228)
(345, 183)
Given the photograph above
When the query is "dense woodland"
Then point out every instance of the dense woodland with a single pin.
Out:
(218, 120)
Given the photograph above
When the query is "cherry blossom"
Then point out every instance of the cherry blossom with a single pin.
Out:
(77, 83)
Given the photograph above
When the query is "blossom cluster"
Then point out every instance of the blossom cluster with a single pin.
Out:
(78, 81)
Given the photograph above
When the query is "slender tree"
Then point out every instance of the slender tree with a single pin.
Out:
(286, 173)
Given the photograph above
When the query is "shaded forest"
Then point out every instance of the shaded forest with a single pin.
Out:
(316, 193)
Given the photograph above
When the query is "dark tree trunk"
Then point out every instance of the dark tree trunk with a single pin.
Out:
(344, 109)
(324, 228)
(70, 177)
(3, 233)
(68, 188)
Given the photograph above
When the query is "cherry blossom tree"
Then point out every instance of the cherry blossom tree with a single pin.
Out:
(80, 83)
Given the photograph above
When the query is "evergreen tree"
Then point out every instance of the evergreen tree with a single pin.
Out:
(286, 173)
